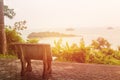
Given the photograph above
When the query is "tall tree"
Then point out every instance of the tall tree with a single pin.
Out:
(3, 46)
(9, 12)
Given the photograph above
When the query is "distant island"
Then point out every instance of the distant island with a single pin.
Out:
(49, 34)
(109, 28)
(69, 29)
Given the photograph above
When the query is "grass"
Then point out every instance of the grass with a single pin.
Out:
(8, 56)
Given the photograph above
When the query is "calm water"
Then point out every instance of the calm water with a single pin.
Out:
(88, 34)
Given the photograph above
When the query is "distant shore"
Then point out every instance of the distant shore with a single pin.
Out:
(49, 34)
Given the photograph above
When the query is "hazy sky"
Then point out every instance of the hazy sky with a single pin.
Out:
(66, 13)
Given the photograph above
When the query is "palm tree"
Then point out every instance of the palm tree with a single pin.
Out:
(3, 47)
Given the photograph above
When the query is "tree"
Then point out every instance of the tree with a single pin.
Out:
(3, 47)
(100, 43)
(9, 12)
(4, 11)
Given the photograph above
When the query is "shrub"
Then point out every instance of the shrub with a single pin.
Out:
(34, 40)
(12, 37)
(99, 52)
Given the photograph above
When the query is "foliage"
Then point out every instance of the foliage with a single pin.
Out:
(68, 53)
(13, 35)
(9, 12)
(99, 51)
(7, 56)
(34, 40)
(100, 43)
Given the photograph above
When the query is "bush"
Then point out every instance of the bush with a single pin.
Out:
(71, 53)
(32, 40)
(78, 57)
(99, 52)
(12, 36)
(7, 56)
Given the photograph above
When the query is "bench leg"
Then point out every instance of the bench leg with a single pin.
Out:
(23, 61)
(29, 67)
(45, 66)
(49, 67)
(23, 67)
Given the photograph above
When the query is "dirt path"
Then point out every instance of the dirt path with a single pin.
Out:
(10, 70)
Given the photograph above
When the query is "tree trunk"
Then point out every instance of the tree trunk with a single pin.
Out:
(3, 46)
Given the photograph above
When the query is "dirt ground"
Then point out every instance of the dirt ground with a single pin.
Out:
(10, 70)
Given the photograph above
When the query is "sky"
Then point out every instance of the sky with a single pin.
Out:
(46, 14)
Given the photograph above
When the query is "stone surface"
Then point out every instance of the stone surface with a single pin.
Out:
(10, 70)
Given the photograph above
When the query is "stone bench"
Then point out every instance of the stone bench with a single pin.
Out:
(26, 52)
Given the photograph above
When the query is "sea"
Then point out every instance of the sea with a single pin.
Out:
(112, 35)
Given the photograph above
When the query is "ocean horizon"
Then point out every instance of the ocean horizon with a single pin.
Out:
(88, 34)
